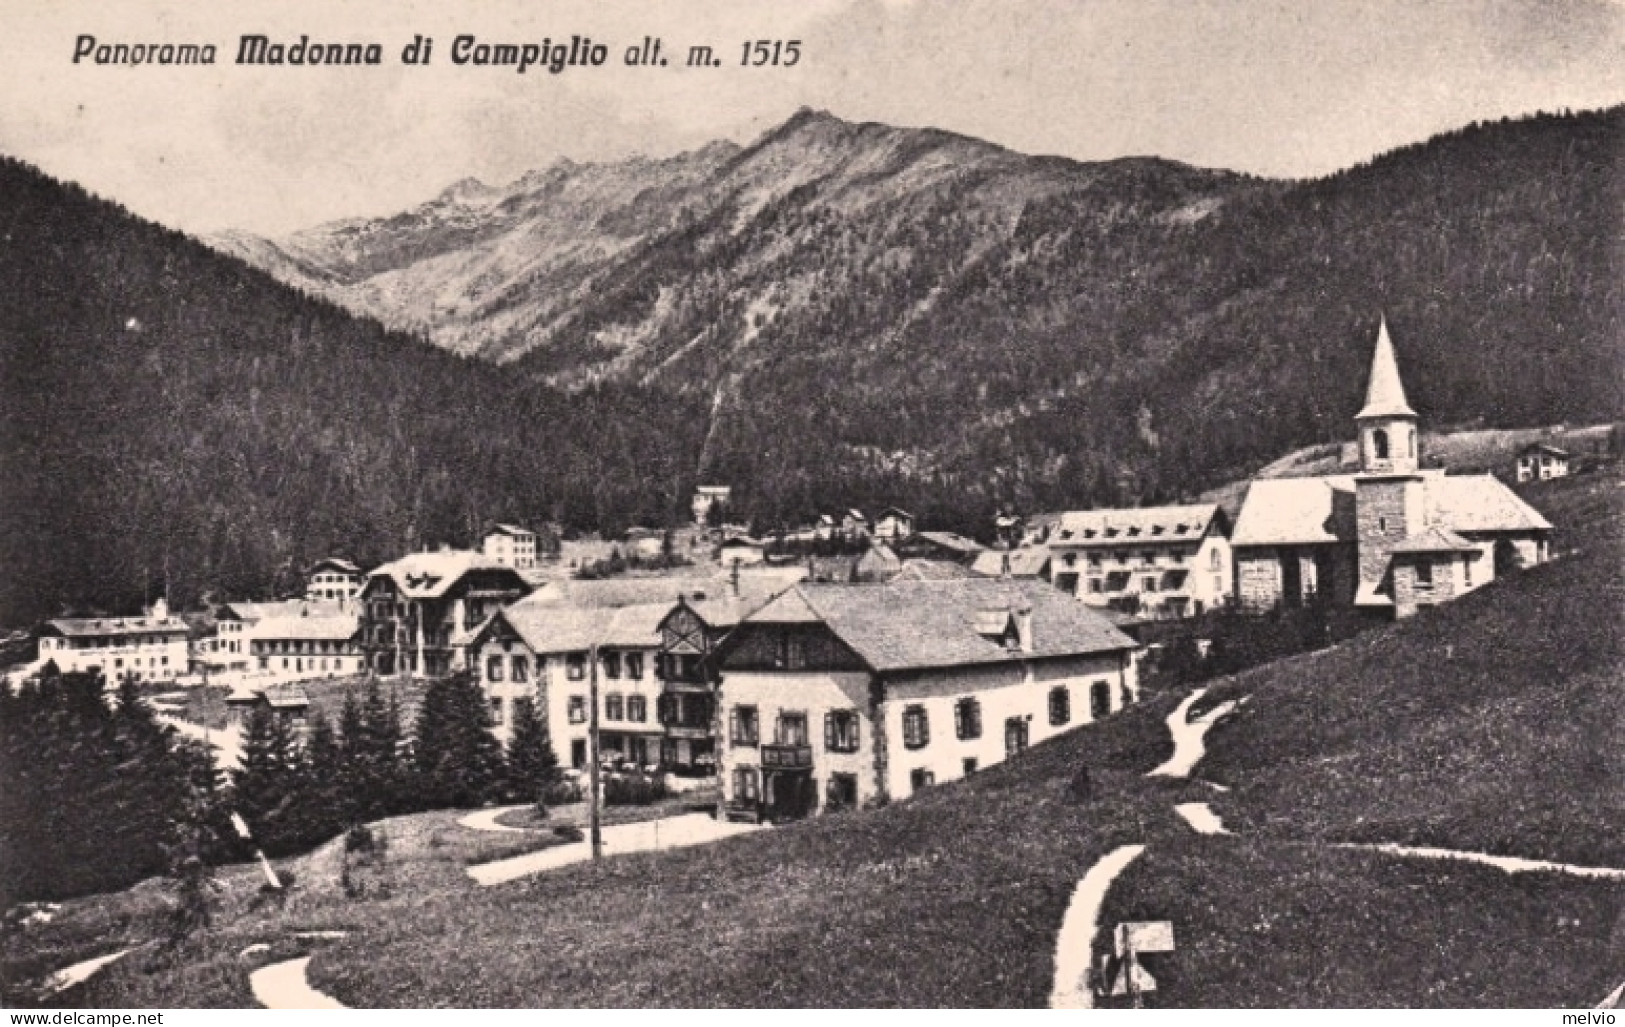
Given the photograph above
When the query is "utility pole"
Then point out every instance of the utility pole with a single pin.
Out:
(594, 785)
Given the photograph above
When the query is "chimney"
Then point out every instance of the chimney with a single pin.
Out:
(1004, 566)
(160, 610)
(1024, 627)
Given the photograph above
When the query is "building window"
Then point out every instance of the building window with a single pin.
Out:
(1094, 559)
(612, 664)
(742, 726)
(747, 785)
(841, 792)
(614, 708)
(1100, 700)
(634, 666)
(521, 668)
(637, 709)
(1060, 706)
(1015, 735)
(916, 729)
(1424, 573)
(841, 731)
(967, 719)
(1095, 585)
(920, 778)
(577, 709)
(791, 728)
(496, 712)
(575, 666)
(792, 654)
(1467, 571)
(1379, 443)
(493, 668)
(1148, 583)
(1148, 557)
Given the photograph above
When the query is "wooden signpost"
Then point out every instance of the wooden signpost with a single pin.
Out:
(1121, 972)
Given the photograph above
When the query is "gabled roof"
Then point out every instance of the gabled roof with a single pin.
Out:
(933, 570)
(337, 563)
(894, 511)
(253, 612)
(431, 575)
(1479, 502)
(285, 696)
(951, 541)
(924, 624)
(571, 629)
(1136, 526)
(322, 622)
(84, 627)
(1543, 447)
(1436, 540)
(509, 529)
(1384, 393)
(1027, 562)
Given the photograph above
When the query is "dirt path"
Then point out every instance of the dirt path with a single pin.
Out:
(1510, 864)
(1201, 818)
(1074, 946)
(644, 836)
(67, 977)
(1188, 735)
(283, 986)
(227, 742)
(486, 820)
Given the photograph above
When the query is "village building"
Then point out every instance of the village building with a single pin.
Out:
(1390, 539)
(510, 546)
(537, 653)
(301, 640)
(740, 551)
(419, 612)
(706, 497)
(153, 647)
(334, 581)
(1157, 562)
(855, 525)
(893, 524)
(836, 696)
(1541, 462)
(288, 702)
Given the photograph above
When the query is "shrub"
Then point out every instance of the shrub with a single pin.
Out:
(634, 789)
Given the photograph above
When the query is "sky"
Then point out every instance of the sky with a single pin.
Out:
(1276, 87)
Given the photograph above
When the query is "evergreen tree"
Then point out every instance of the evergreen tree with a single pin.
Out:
(267, 784)
(532, 764)
(458, 760)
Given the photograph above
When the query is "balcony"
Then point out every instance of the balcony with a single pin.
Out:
(787, 757)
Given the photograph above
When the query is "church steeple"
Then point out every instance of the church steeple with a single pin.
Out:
(1387, 423)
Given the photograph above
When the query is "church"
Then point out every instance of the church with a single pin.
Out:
(1393, 537)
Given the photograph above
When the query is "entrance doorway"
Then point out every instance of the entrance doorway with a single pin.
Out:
(788, 795)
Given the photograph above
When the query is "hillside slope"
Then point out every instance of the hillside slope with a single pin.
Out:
(1017, 329)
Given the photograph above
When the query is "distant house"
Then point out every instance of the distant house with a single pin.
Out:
(855, 525)
(878, 564)
(287, 702)
(418, 613)
(1008, 530)
(1027, 562)
(743, 550)
(836, 696)
(893, 524)
(825, 527)
(153, 647)
(1390, 539)
(334, 581)
(645, 543)
(707, 496)
(1540, 462)
(1162, 561)
(510, 546)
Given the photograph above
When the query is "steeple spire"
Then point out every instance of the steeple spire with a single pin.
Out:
(1384, 394)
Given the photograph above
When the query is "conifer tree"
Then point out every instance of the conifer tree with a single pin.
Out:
(267, 784)
(532, 763)
(458, 760)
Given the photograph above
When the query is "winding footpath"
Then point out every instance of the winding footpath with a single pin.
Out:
(1074, 947)
(486, 820)
(78, 973)
(1189, 735)
(644, 836)
(284, 986)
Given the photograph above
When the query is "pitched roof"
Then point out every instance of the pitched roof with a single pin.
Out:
(337, 563)
(509, 529)
(75, 627)
(571, 629)
(1384, 393)
(951, 541)
(895, 511)
(1306, 511)
(1294, 511)
(1133, 526)
(920, 624)
(933, 570)
(1026, 562)
(252, 612)
(431, 575)
(312, 622)
(285, 696)
(1435, 540)
(1543, 447)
